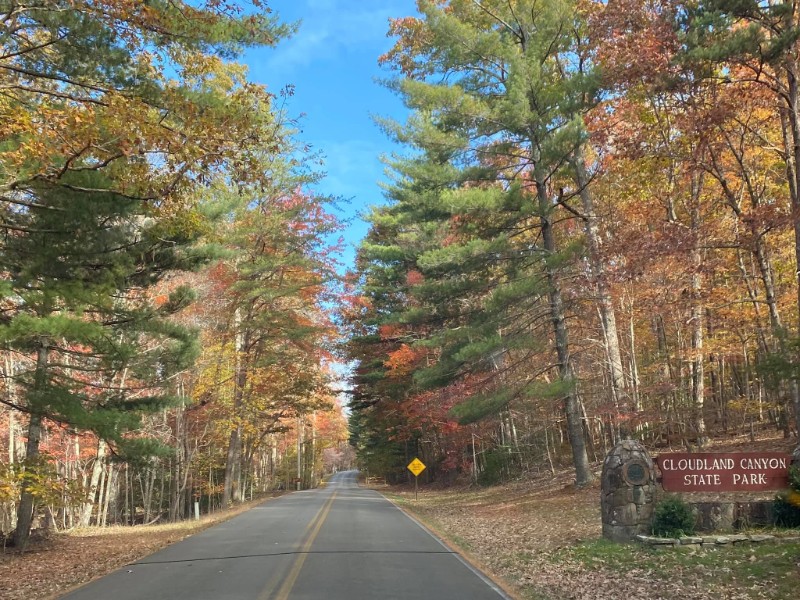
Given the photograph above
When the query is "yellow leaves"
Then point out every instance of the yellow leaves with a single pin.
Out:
(13, 122)
(158, 139)
(41, 480)
(202, 69)
(9, 484)
(180, 219)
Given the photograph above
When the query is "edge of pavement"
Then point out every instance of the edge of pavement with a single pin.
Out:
(198, 526)
(494, 581)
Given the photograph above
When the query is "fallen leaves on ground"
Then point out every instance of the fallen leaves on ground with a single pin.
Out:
(538, 536)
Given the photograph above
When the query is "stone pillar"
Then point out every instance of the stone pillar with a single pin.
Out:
(627, 492)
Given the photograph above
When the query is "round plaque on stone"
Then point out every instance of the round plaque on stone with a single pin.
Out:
(635, 472)
(626, 492)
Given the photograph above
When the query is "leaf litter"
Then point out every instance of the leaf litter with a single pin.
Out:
(542, 538)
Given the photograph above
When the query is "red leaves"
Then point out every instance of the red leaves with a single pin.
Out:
(414, 277)
(389, 332)
(635, 40)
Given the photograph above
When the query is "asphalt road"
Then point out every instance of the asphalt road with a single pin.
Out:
(341, 542)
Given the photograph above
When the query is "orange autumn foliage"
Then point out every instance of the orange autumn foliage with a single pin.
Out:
(403, 360)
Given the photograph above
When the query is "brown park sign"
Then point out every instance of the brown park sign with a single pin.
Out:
(728, 472)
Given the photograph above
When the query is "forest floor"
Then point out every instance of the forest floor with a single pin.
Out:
(541, 539)
(54, 564)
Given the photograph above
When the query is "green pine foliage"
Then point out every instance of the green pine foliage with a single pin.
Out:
(713, 31)
(457, 259)
(80, 268)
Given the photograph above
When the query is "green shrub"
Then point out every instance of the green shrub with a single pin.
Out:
(794, 478)
(787, 504)
(786, 513)
(673, 518)
(499, 465)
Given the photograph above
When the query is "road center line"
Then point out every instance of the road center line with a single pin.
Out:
(314, 526)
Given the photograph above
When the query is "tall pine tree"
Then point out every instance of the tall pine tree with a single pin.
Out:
(98, 349)
(115, 116)
(498, 91)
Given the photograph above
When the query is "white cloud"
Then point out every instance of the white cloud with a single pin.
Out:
(330, 28)
(352, 166)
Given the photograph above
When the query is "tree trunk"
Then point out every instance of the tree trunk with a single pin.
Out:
(697, 316)
(127, 516)
(572, 409)
(10, 396)
(793, 99)
(161, 490)
(12, 433)
(634, 367)
(608, 319)
(697, 364)
(300, 428)
(232, 485)
(97, 468)
(27, 503)
(313, 449)
(112, 478)
(177, 464)
(793, 155)
(102, 491)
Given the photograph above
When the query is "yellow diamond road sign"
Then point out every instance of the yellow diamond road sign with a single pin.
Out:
(416, 466)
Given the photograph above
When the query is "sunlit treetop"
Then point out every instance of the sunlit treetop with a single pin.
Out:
(143, 91)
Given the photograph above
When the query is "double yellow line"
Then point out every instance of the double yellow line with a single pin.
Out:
(310, 534)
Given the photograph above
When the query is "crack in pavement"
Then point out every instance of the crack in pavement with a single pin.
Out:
(289, 553)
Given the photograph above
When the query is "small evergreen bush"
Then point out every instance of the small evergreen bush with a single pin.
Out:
(673, 518)
(787, 504)
(499, 465)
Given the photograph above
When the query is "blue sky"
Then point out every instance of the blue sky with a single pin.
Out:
(333, 63)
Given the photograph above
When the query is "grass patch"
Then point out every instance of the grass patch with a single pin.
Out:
(767, 570)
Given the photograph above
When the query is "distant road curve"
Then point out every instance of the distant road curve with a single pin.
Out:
(340, 542)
